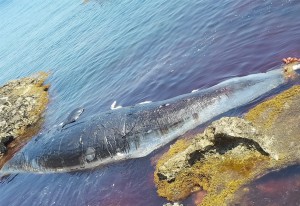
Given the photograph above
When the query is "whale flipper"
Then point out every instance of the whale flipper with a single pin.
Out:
(73, 116)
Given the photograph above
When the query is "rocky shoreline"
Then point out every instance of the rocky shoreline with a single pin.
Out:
(22, 103)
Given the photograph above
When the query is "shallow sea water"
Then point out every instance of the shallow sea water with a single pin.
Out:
(131, 51)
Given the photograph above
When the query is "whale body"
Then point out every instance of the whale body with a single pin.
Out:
(135, 131)
(73, 116)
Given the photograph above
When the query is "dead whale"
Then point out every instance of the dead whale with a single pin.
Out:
(135, 131)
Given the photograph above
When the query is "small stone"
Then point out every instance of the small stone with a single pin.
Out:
(3, 124)
(6, 140)
(3, 149)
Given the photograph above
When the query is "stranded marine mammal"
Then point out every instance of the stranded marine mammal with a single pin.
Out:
(135, 131)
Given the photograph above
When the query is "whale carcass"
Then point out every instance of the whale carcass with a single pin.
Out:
(135, 131)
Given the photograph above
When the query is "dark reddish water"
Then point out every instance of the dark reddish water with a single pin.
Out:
(132, 51)
(275, 189)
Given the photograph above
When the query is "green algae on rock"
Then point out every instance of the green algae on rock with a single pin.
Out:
(22, 103)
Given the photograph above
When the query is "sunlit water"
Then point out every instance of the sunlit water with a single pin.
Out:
(131, 51)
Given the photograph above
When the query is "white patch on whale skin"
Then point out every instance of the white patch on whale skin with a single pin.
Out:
(164, 105)
(195, 90)
(113, 106)
(145, 102)
(297, 66)
(120, 154)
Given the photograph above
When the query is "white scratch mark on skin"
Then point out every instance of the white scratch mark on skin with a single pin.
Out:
(107, 145)
(145, 102)
(60, 143)
(113, 106)
(164, 105)
(195, 90)
(115, 140)
(124, 129)
(120, 154)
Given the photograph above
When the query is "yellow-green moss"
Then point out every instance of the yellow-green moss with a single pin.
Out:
(266, 113)
(219, 175)
(34, 89)
(228, 173)
(177, 147)
(40, 93)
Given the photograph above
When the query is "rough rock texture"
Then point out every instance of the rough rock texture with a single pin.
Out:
(279, 118)
(233, 152)
(21, 104)
(222, 136)
(219, 160)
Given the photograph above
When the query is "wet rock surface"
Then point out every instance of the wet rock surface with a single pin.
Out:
(233, 152)
(229, 134)
(22, 103)
(229, 152)
(279, 118)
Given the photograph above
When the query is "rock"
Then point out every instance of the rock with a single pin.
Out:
(6, 140)
(232, 152)
(229, 152)
(22, 103)
(224, 135)
(3, 149)
(279, 118)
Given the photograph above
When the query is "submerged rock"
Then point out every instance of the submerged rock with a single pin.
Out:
(232, 152)
(22, 102)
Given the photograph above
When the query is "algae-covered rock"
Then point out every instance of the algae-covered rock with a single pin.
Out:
(22, 102)
(220, 137)
(279, 118)
(233, 152)
(227, 154)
